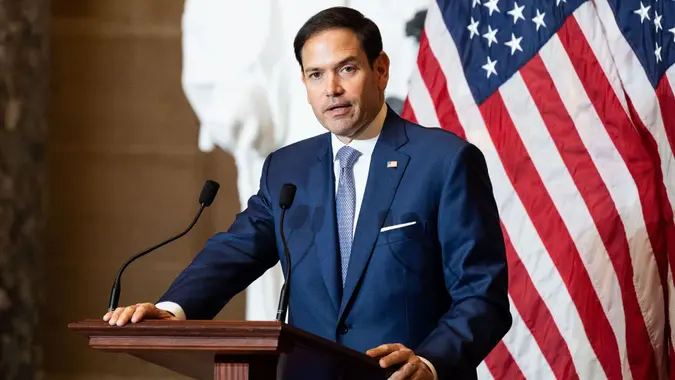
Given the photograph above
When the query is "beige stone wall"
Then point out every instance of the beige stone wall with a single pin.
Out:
(125, 173)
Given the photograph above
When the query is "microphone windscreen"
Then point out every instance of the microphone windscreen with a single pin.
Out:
(287, 195)
(209, 192)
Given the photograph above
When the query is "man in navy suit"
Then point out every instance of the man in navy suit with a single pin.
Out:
(394, 234)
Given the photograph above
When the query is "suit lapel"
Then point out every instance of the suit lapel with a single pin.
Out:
(383, 180)
(322, 189)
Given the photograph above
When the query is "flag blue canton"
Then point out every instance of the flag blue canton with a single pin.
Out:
(496, 38)
(649, 28)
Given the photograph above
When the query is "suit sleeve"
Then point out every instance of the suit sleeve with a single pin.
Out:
(475, 270)
(229, 261)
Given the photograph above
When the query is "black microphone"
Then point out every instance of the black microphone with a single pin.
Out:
(285, 201)
(206, 197)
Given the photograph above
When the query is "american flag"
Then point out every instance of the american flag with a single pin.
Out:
(572, 104)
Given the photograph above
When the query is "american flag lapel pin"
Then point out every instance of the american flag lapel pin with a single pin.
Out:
(392, 164)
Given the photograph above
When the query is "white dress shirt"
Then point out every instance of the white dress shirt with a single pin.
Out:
(361, 168)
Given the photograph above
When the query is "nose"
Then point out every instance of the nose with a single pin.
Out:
(333, 86)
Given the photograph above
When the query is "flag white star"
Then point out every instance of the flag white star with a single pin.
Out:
(672, 31)
(514, 44)
(492, 6)
(516, 12)
(489, 67)
(657, 53)
(491, 35)
(475, 2)
(473, 28)
(643, 12)
(557, 2)
(539, 20)
(657, 21)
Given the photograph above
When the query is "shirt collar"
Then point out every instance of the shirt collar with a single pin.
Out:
(367, 146)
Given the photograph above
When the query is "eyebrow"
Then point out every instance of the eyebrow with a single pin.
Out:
(351, 58)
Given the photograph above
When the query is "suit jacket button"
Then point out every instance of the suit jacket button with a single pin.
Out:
(343, 329)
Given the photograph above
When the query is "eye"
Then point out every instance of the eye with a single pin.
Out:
(314, 75)
(349, 69)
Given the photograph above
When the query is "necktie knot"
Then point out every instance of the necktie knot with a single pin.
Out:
(347, 156)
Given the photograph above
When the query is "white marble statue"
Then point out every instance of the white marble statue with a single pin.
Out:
(244, 84)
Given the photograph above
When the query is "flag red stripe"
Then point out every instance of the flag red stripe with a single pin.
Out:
(502, 365)
(642, 160)
(645, 167)
(551, 228)
(527, 301)
(653, 181)
(664, 242)
(621, 129)
(664, 94)
(605, 101)
(408, 113)
(599, 202)
(437, 85)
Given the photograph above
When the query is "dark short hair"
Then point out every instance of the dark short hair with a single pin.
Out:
(341, 18)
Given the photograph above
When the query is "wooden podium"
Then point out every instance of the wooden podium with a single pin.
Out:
(232, 350)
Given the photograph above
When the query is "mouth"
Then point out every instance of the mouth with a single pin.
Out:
(338, 107)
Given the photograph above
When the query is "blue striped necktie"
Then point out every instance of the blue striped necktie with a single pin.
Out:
(345, 201)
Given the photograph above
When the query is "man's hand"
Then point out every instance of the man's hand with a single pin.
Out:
(136, 313)
(412, 366)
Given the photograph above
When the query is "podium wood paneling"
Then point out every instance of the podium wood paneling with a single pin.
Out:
(226, 350)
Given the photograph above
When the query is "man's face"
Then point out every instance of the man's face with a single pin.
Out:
(344, 91)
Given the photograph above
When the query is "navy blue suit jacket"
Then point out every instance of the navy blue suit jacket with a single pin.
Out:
(438, 286)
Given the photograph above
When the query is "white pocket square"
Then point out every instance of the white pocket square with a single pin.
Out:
(397, 226)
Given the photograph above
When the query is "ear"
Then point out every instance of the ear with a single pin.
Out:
(381, 66)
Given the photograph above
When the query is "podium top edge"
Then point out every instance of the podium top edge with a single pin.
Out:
(186, 327)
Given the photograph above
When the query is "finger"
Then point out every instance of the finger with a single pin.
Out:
(107, 316)
(378, 351)
(144, 310)
(396, 357)
(405, 372)
(138, 314)
(383, 350)
(126, 314)
(115, 315)
(419, 374)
